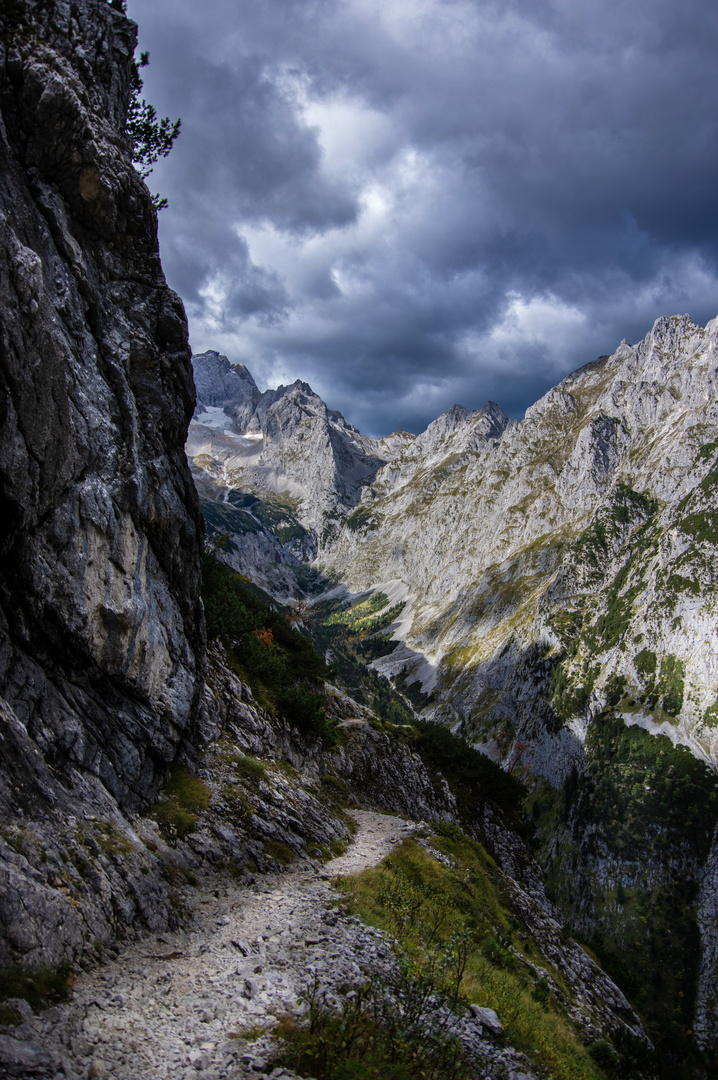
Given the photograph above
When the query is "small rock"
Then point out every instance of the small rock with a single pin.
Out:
(22, 1008)
(200, 1061)
(97, 1069)
(19, 1056)
(487, 1018)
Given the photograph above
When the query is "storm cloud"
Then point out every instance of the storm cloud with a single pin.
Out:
(409, 203)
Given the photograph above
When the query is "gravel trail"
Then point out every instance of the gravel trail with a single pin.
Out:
(166, 1007)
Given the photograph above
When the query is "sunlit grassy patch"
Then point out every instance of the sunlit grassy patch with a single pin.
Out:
(431, 905)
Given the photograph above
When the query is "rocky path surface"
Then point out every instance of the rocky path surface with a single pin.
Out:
(173, 1006)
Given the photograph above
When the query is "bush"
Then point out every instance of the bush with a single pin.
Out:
(305, 710)
(184, 796)
(645, 662)
(383, 1029)
(39, 987)
(278, 662)
(249, 768)
(604, 1055)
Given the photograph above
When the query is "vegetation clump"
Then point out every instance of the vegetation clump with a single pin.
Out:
(448, 906)
(248, 768)
(377, 1032)
(361, 518)
(184, 796)
(279, 851)
(39, 987)
(645, 662)
(278, 662)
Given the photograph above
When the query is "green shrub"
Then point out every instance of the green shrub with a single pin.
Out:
(249, 768)
(184, 796)
(384, 1030)
(305, 710)
(645, 662)
(279, 851)
(615, 689)
(39, 987)
(604, 1055)
(187, 790)
(672, 671)
(710, 716)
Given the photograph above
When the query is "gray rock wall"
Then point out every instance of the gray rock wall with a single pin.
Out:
(101, 626)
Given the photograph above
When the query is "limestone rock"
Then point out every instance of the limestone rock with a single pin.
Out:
(101, 627)
(487, 1018)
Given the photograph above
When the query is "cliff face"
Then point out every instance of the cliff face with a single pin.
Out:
(281, 441)
(101, 628)
(101, 624)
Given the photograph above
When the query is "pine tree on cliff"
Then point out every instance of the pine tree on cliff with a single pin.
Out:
(151, 137)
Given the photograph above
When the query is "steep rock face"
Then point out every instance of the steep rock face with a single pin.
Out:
(225, 391)
(284, 441)
(101, 629)
(486, 542)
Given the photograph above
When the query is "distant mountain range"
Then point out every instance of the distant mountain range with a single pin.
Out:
(557, 575)
(494, 531)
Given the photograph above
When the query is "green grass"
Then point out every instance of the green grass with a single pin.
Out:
(248, 768)
(107, 837)
(183, 797)
(671, 684)
(710, 716)
(279, 851)
(458, 918)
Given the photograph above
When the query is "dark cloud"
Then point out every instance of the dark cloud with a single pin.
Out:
(414, 202)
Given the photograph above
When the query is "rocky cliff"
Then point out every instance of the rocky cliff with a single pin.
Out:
(281, 441)
(101, 627)
(496, 533)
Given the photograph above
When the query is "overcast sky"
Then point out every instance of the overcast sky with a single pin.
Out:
(411, 203)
